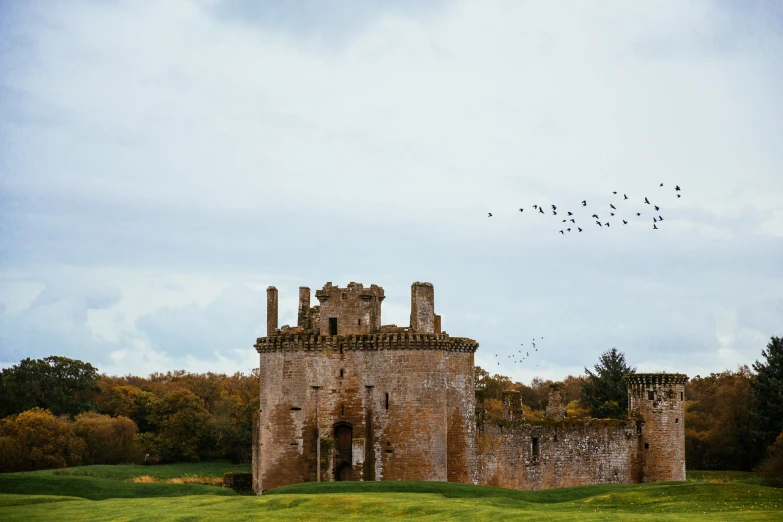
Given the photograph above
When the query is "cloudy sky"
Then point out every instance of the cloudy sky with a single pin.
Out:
(162, 163)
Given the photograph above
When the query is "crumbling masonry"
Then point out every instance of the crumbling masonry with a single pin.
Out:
(344, 397)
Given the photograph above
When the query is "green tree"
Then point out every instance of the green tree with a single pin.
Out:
(768, 389)
(61, 385)
(182, 421)
(604, 391)
(109, 440)
(40, 440)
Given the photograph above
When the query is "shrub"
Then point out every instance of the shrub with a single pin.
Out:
(109, 440)
(771, 468)
(42, 440)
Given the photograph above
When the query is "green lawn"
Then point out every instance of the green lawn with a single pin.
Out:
(108, 493)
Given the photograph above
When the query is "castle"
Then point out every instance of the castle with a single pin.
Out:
(344, 397)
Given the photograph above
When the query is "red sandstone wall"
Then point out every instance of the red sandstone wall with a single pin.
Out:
(570, 453)
(407, 441)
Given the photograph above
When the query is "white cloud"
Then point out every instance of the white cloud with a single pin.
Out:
(162, 163)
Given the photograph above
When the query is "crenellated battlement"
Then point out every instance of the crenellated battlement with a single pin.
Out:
(294, 341)
(656, 378)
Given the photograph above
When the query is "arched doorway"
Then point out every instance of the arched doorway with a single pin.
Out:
(343, 434)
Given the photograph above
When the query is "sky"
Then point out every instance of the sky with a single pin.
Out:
(162, 163)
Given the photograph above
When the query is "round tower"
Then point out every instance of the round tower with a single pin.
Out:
(659, 399)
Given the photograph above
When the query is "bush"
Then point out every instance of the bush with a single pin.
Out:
(771, 468)
(239, 482)
(42, 441)
(109, 440)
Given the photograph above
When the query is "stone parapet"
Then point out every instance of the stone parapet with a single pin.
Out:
(656, 378)
(381, 341)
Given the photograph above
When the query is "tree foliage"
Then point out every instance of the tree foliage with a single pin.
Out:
(768, 391)
(109, 440)
(604, 392)
(719, 425)
(61, 385)
(39, 440)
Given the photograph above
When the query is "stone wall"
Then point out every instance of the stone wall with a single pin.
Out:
(548, 454)
(401, 393)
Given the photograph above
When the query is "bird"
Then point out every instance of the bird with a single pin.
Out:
(562, 232)
(611, 213)
(614, 192)
(554, 207)
(657, 208)
(579, 229)
(625, 197)
(584, 202)
(521, 209)
(661, 184)
(570, 213)
(489, 214)
(655, 227)
(535, 206)
(646, 200)
(615, 208)
(660, 218)
(540, 210)
(677, 188)
(625, 222)
(654, 220)
(572, 221)
(554, 213)
(564, 220)
(638, 214)
(599, 223)
(568, 230)
(607, 223)
(595, 216)
(678, 195)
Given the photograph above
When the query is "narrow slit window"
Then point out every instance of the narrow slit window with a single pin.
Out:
(646, 445)
(682, 396)
(650, 395)
(676, 421)
(360, 322)
(342, 409)
(387, 400)
(342, 372)
(332, 326)
(535, 446)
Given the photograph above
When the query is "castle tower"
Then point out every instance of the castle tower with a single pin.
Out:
(271, 310)
(659, 399)
(423, 307)
(555, 409)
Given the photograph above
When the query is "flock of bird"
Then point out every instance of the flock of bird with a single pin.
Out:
(620, 209)
(526, 351)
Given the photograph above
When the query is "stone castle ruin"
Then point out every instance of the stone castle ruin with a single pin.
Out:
(344, 397)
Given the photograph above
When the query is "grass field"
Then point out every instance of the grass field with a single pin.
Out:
(110, 493)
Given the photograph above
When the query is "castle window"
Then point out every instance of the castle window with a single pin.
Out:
(682, 396)
(295, 408)
(676, 421)
(341, 350)
(342, 372)
(360, 322)
(535, 446)
(646, 445)
(342, 409)
(650, 395)
(343, 295)
(332, 326)
(387, 400)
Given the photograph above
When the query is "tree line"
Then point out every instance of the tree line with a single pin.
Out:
(60, 412)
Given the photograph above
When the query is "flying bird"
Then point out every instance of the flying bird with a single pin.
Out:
(521, 209)
(599, 223)
(646, 200)
(584, 202)
(625, 197)
(535, 206)
(607, 223)
(615, 208)
(554, 207)
(614, 192)
(660, 218)
(579, 229)
(654, 220)
(554, 213)
(625, 222)
(638, 214)
(568, 230)
(489, 214)
(661, 184)
(570, 213)
(677, 188)
(678, 196)
(655, 227)
(595, 216)
(611, 213)
(657, 208)
(562, 232)
(540, 210)
(572, 221)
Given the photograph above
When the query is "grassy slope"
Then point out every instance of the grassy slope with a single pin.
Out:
(705, 497)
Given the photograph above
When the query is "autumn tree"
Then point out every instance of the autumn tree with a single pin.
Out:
(109, 440)
(604, 391)
(768, 390)
(40, 440)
